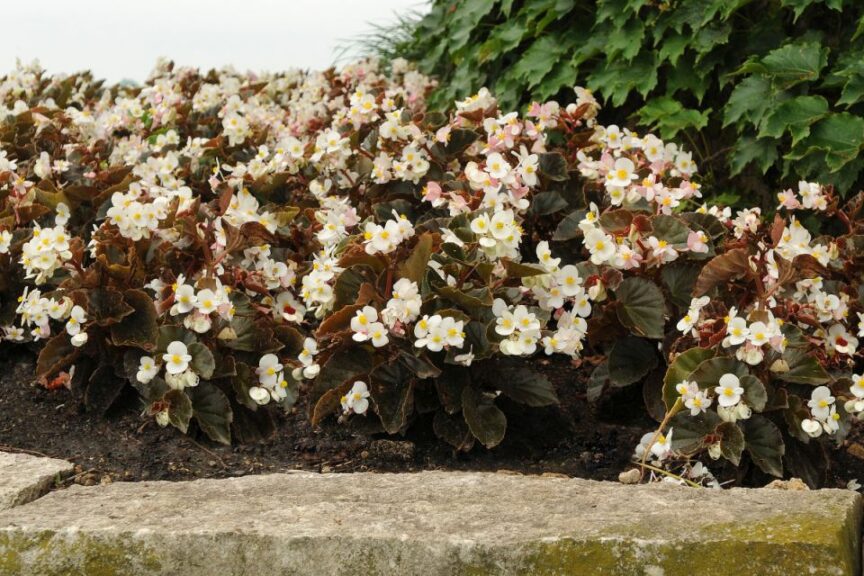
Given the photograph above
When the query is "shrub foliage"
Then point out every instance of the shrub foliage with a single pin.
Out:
(756, 86)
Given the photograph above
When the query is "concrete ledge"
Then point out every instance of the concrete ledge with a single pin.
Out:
(24, 478)
(430, 523)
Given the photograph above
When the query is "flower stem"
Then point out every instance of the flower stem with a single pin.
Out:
(671, 475)
(672, 412)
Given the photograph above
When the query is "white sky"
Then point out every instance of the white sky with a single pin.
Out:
(120, 39)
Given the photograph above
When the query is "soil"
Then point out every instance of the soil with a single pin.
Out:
(574, 439)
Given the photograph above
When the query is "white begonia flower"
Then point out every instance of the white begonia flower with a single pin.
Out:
(357, 399)
(622, 174)
(662, 445)
(310, 349)
(736, 332)
(60, 309)
(601, 246)
(206, 301)
(177, 358)
(660, 449)
(259, 394)
(813, 428)
(184, 300)
(363, 319)
(5, 241)
(820, 402)
(77, 317)
(497, 166)
(857, 387)
(568, 280)
(729, 391)
(63, 214)
(147, 369)
(688, 321)
(840, 340)
(378, 334)
(758, 334)
(268, 370)
(79, 339)
(544, 256)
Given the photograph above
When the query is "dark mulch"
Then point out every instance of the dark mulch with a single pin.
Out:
(575, 439)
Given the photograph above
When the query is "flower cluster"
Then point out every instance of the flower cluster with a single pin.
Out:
(234, 240)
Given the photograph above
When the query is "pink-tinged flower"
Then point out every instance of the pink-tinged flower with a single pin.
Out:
(443, 134)
(696, 241)
(432, 193)
(788, 200)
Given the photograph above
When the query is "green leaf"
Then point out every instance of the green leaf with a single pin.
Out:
(475, 300)
(731, 442)
(420, 365)
(539, 59)
(103, 389)
(212, 410)
(485, 420)
(568, 228)
(839, 135)
(203, 362)
(625, 42)
(347, 363)
(449, 387)
(414, 267)
(671, 229)
(749, 100)
(793, 63)
(179, 409)
(679, 278)
(525, 386)
(748, 149)
(641, 307)
(794, 116)
(546, 203)
(764, 443)
(553, 166)
(689, 432)
(707, 375)
(466, 16)
(673, 47)
(630, 360)
(618, 78)
(392, 389)
(347, 286)
(56, 354)
(251, 427)
(519, 270)
(803, 368)
(668, 116)
(798, 6)
(452, 429)
(755, 394)
(140, 328)
(460, 140)
(253, 335)
(681, 369)
(106, 306)
(616, 221)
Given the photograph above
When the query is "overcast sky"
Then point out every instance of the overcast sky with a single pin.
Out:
(120, 39)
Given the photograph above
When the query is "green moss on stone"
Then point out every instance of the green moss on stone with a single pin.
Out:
(54, 554)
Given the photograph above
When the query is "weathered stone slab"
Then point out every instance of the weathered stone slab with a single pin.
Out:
(24, 477)
(430, 524)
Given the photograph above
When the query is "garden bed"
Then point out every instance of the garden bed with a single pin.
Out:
(576, 439)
